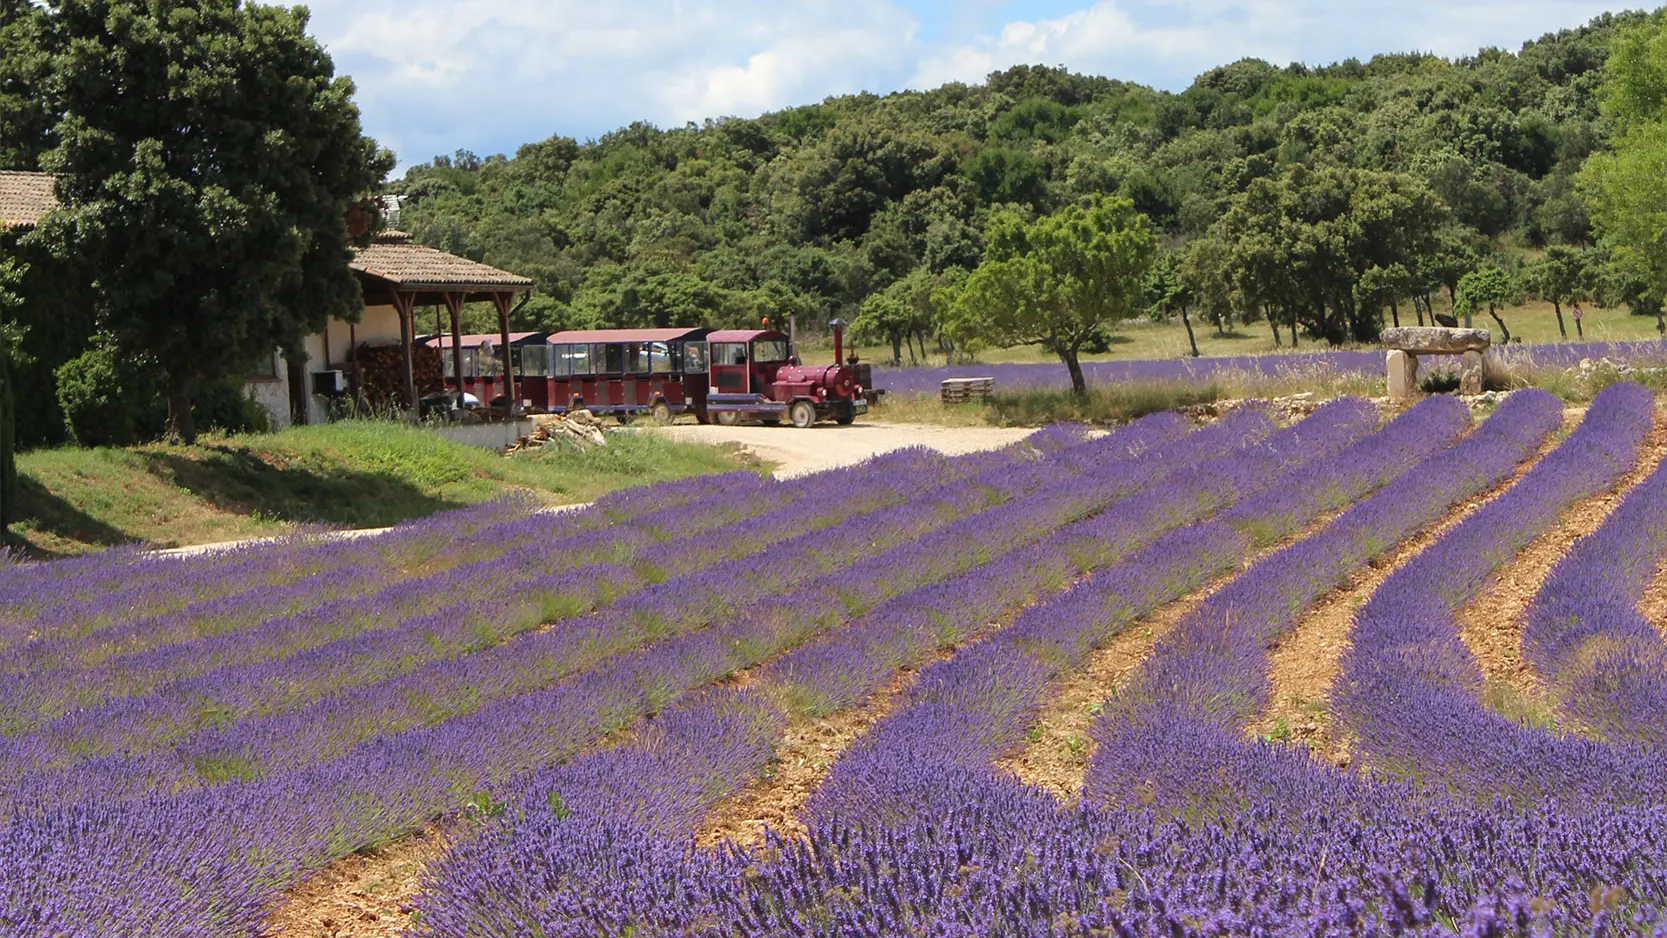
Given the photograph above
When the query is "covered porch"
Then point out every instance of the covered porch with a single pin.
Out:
(399, 278)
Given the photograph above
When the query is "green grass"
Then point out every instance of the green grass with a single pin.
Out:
(1142, 340)
(352, 474)
(1112, 404)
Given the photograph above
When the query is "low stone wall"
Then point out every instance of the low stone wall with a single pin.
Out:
(485, 435)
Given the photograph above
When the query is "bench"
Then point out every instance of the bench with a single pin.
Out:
(1406, 344)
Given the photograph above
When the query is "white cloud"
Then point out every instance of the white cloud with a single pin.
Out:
(1168, 42)
(437, 75)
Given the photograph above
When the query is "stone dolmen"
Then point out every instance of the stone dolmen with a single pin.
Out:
(1407, 343)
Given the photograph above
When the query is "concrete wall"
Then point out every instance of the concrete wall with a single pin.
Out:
(486, 435)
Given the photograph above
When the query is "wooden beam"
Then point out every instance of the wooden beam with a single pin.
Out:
(454, 303)
(501, 300)
(404, 304)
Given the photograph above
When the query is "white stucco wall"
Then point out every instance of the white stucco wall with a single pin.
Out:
(273, 394)
(328, 350)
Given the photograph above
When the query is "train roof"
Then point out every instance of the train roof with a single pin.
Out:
(744, 335)
(443, 340)
(627, 335)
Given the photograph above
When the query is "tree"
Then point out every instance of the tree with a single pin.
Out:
(1559, 276)
(1204, 269)
(1625, 186)
(1167, 290)
(9, 301)
(1054, 281)
(885, 316)
(1488, 287)
(207, 175)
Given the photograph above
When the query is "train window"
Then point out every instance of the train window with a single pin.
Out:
(489, 362)
(636, 358)
(559, 363)
(770, 350)
(694, 358)
(577, 358)
(470, 368)
(609, 359)
(535, 360)
(729, 353)
(659, 358)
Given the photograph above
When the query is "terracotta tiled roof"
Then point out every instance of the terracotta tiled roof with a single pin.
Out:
(25, 198)
(413, 266)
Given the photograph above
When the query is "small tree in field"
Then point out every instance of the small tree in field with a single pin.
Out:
(1562, 275)
(1488, 288)
(1054, 281)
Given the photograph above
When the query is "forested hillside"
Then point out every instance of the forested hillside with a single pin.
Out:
(1327, 199)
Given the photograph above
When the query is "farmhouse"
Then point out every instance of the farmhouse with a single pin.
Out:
(377, 355)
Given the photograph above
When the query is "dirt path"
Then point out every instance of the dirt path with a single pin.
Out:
(827, 446)
(1491, 624)
(1305, 661)
(804, 755)
(1056, 756)
(365, 895)
(1653, 606)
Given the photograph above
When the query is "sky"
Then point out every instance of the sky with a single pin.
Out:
(436, 76)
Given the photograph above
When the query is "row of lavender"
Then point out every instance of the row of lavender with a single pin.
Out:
(562, 866)
(1187, 828)
(308, 795)
(1275, 365)
(252, 665)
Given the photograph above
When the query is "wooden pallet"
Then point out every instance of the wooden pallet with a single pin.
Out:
(962, 390)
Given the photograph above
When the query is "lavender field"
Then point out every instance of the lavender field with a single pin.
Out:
(1295, 364)
(832, 705)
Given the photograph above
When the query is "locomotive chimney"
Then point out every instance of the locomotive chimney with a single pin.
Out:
(839, 340)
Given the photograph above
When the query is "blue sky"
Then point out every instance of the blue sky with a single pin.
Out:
(435, 76)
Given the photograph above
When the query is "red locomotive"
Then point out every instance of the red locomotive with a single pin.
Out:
(727, 375)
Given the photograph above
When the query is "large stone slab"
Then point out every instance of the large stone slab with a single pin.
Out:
(1435, 340)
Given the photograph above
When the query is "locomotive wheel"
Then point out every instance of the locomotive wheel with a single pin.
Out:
(726, 418)
(847, 415)
(661, 413)
(802, 413)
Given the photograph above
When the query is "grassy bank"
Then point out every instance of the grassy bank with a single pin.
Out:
(353, 474)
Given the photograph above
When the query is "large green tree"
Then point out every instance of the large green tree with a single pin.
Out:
(1626, 186)
(10, 276)
(1304, 242)
(1055, 281)
(209, 161)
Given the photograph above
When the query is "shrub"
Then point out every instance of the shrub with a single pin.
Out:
(109, 399)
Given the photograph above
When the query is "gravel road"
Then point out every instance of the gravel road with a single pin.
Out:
(826, 446)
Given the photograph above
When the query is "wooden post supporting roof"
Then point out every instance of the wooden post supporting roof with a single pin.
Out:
(404, 303)
(454, 304)
(501, 300)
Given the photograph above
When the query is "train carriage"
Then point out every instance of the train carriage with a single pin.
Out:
(726, 375)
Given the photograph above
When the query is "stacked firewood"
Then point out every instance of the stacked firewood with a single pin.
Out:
(382, 373)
